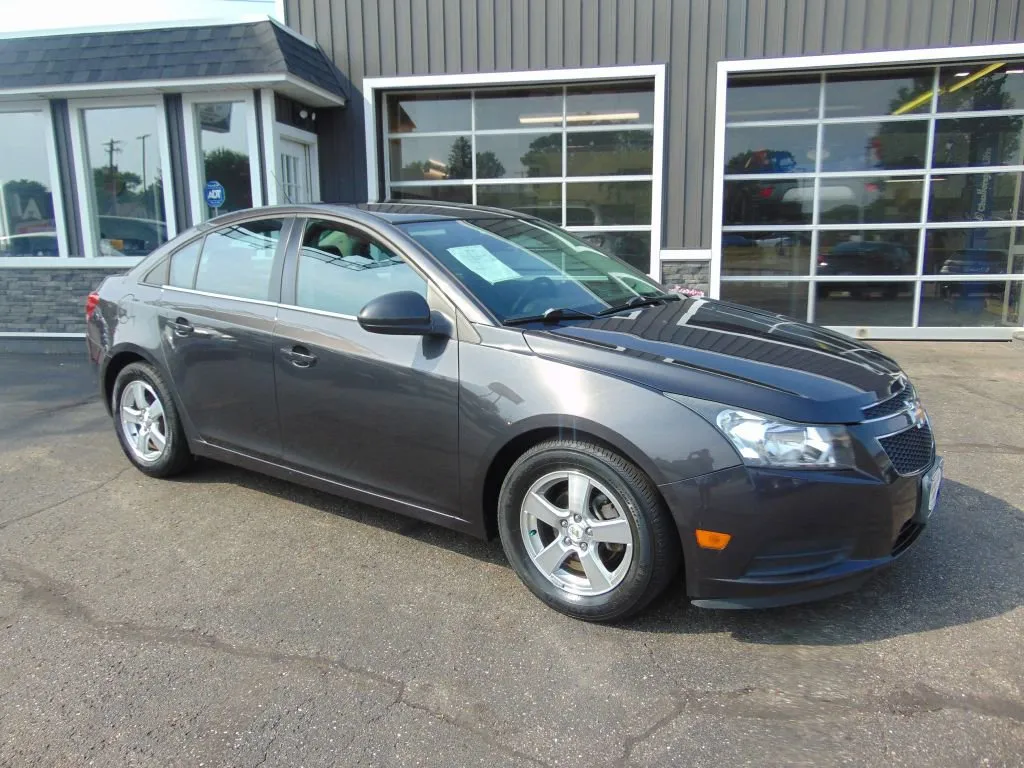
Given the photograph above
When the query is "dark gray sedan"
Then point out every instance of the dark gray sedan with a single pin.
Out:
(487, 371)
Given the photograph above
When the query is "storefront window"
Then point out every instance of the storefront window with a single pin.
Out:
(579, 156)
(27, 223)
(862, 187)
(126, 174)
(224, 148)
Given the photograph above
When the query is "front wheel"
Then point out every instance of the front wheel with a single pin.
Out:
(586, 530)
(147, 422)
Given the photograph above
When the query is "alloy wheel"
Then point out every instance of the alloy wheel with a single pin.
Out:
(143, 421)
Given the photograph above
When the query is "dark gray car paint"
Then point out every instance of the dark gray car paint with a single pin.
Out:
(391, 434)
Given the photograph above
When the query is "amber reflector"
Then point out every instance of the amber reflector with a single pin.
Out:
(712, 539)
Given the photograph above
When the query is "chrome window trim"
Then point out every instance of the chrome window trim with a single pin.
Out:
(211, 295)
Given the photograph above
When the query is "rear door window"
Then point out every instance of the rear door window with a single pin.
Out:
(183, 265)
(238, 260)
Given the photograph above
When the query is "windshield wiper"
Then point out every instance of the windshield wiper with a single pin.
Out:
(552, 315)
(640, 301)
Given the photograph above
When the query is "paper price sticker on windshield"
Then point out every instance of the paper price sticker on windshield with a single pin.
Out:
(483, 262)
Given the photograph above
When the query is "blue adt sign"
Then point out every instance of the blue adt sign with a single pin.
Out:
(214, 194)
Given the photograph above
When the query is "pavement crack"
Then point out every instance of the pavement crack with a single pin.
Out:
(72, 497)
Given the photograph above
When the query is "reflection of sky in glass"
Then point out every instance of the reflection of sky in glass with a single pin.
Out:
(23, 154)
(235, 139)
(124, 124)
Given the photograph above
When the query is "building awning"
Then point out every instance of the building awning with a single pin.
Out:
(260, 54)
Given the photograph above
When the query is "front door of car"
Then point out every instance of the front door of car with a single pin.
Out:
(373, 411)
(217, 318)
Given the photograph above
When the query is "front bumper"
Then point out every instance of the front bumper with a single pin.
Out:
(796, 535)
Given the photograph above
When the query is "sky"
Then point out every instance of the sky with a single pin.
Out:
(22, 16)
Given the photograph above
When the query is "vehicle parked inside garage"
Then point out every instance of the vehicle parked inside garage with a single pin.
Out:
(487, 371)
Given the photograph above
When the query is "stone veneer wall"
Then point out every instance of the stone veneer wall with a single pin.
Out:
(687, 274)
(47, 299)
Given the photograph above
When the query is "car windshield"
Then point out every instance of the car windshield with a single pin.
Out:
(524, 267)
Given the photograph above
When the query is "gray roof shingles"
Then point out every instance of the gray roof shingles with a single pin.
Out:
(254, 48)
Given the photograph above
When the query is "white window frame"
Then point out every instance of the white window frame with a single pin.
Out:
(56, 191)
(197, 199)
(374, 85)
(83, 175)
(891, 60)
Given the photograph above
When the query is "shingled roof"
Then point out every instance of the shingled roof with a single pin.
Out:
(172, 53)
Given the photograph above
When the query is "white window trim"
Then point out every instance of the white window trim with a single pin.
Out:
(930, 57)
(197, 199)
(290, 132)
(81, 164)
(60, 223)
(656, 72)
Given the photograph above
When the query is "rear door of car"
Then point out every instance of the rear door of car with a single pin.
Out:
(217, 314)
(373, 411)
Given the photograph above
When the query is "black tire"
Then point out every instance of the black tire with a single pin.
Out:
(656, 550)
(176, 456)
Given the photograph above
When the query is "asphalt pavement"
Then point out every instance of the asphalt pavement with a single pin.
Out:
(228, 619)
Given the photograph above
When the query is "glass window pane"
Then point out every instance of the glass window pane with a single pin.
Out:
(789, 99)
(607, 203)
(782, 298)
(982, 251)
(341, 270)
(766, 253)
(27, 225)
(610, 153)
(860, 95)
(183, 265)
(874, 146)
(447, 193)
(870, 200)
(237, 260)
(772, 201)
(880, 252)
(431, 158)
(609, 105)
(124, 165)
(978, 141)
(224, 145)
(985, 86)
(429, 112)
(518, 108)
(775, 149)
(989, 303)
(541, 200)
(634, 248)
(518, 155)
(886, 304)
(976, 197)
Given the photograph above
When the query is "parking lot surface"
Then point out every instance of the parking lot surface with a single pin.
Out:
(228, 619)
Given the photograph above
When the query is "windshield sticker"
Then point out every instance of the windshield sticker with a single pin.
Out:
(484, 263)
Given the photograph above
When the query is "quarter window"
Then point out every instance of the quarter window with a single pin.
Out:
(341, 269)
(238, 260)
(183, 265)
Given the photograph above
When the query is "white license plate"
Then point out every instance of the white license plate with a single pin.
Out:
(931, 486)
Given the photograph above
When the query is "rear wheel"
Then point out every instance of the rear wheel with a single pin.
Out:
(586, 530)
(147, 422)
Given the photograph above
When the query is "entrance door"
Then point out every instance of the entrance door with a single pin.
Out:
(295, 172)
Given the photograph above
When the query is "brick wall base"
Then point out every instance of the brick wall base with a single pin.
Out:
(687, 274)
(47, 300)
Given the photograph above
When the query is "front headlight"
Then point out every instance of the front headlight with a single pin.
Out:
(766, 441)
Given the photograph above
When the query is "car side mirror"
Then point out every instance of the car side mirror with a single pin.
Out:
(402, 313)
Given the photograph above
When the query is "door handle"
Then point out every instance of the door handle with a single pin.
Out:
(182, 327)
(299, 356)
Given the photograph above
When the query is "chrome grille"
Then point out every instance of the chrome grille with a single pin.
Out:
(911, 450)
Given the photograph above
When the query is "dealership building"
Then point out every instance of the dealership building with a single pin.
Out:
(857, 164)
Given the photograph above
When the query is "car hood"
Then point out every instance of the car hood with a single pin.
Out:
(729, 354)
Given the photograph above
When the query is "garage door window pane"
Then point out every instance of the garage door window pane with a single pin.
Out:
(976, 197)
(773, 149)
(237, 260)
(609, 105)
(870, 200)
(541, 200)
(518, 108)
(978, 141)
(634, 248)
(126, 175)
(423, 112)
(905, 93)
(983, 86)
(779, 297)
(885, 304)
(982, 251)
(431, 158)
(447, 193)
(771, 201)
(791, 99)
(988, 303)
(866, 252)
(607, 203)
(766, 253)
(27, 227)
(874, 146)
(610, 153)
(518, 155)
